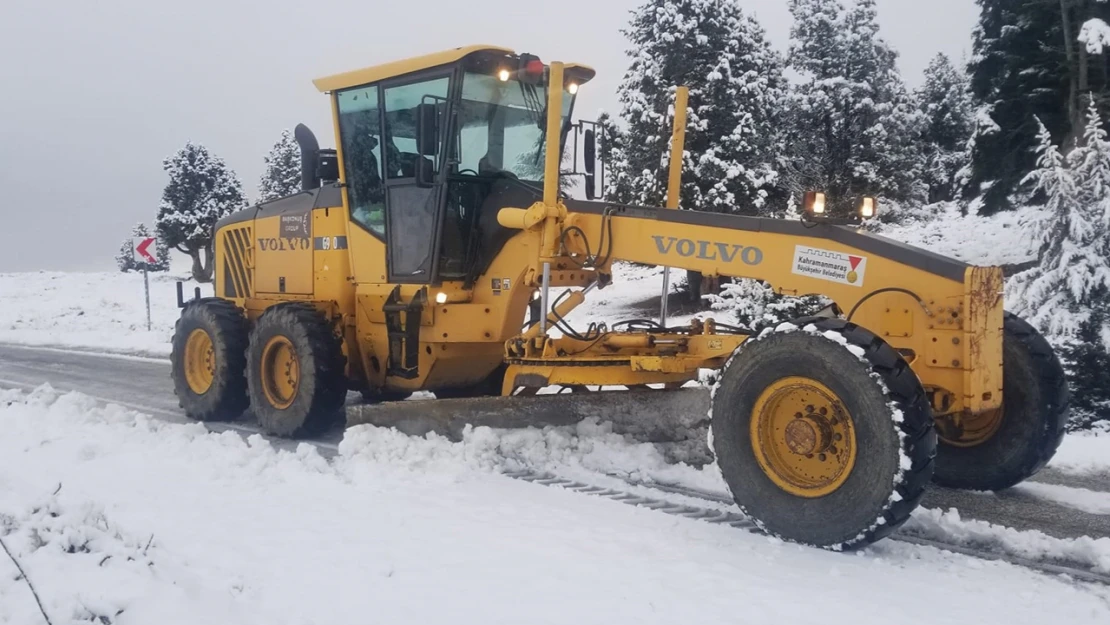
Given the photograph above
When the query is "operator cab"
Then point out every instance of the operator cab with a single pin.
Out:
(433, 147)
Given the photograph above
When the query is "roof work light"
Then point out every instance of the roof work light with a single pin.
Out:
(814, 203)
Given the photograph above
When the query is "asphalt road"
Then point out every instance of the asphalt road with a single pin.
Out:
(144, 384)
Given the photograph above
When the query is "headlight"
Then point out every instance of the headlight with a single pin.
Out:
(441, 298)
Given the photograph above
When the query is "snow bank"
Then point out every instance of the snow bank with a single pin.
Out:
(948, 526)
(1094, 502)
(1083, 453)
(401, 530)
(104, 311)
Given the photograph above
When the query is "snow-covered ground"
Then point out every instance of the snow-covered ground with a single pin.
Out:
(117, 517)
(995, 240)
(104, 311)
(111, 510)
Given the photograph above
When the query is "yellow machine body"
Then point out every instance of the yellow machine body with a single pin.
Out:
(442, 330)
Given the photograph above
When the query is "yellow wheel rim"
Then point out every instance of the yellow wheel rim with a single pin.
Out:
(969, 430)
(200, 361)
(281, 372)
(803, 437)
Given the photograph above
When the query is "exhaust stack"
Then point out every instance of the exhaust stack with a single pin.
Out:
(310, 157)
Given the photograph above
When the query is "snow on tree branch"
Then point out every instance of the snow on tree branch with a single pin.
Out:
(1096, 35)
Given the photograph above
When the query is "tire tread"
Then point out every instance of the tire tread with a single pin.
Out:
(230, 326)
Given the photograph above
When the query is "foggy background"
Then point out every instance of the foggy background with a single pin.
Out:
(93, 95)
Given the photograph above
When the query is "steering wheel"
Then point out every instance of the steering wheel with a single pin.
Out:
(467, 171)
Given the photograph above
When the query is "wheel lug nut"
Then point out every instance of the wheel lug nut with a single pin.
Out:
(835, 421)
(837, 437)
(822, 457)
(824, 411)
(809, 409)
(833, 450)
(797, 415)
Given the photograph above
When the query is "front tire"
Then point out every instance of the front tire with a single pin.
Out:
(208, 360)
(1031, 423)
(296, 372)
(823, 434)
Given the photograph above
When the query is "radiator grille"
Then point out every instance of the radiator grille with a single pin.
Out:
(238, 274)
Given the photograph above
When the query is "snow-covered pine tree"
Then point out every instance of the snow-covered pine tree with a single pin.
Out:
(282, 175)
(736, 86)
(1072, 236)
(610, 154)
(852, 125)
(1067, 296)
(1088, 367)
(125, 260)
(201, 190)
(1010, 64)
(945, 102)
(1087, 353)
(1031, 59)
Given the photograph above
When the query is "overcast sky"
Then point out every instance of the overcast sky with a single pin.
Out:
(93, 95)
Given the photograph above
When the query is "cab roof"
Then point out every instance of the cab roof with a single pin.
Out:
(414, 64)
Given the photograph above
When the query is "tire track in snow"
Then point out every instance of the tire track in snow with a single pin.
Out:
(145, 383)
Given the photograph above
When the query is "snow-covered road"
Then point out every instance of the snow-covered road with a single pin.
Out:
(143, 384)
(212, 527)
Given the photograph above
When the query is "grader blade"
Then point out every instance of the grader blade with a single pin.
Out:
(676, 420)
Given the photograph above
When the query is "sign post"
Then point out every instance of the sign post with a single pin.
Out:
(674, 181)
(142, 253)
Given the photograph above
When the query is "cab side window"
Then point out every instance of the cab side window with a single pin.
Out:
(360, 130)
(401, 108)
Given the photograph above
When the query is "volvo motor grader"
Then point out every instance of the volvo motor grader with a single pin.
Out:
(434, 250)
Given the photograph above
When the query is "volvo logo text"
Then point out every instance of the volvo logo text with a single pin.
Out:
(708, 250)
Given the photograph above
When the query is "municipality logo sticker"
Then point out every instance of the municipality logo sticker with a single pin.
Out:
(814, 262)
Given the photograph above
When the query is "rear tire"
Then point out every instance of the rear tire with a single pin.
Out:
(208, 360)
(890, 429)
(296, 372)
(1034, 418)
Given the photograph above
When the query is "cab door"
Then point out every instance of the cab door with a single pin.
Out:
(413, 194)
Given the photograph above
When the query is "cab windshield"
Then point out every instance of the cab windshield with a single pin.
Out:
(503, 128)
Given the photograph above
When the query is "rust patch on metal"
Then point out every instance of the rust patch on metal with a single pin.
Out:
(801, 437)
(986, 291)
(975, 348)
(986, 294)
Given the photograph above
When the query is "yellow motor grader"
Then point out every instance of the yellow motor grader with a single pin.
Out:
(423, 251)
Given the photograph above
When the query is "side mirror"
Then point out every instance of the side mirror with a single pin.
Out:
(589, 151)
(427, 143)
(589, 159)
(427, 129)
